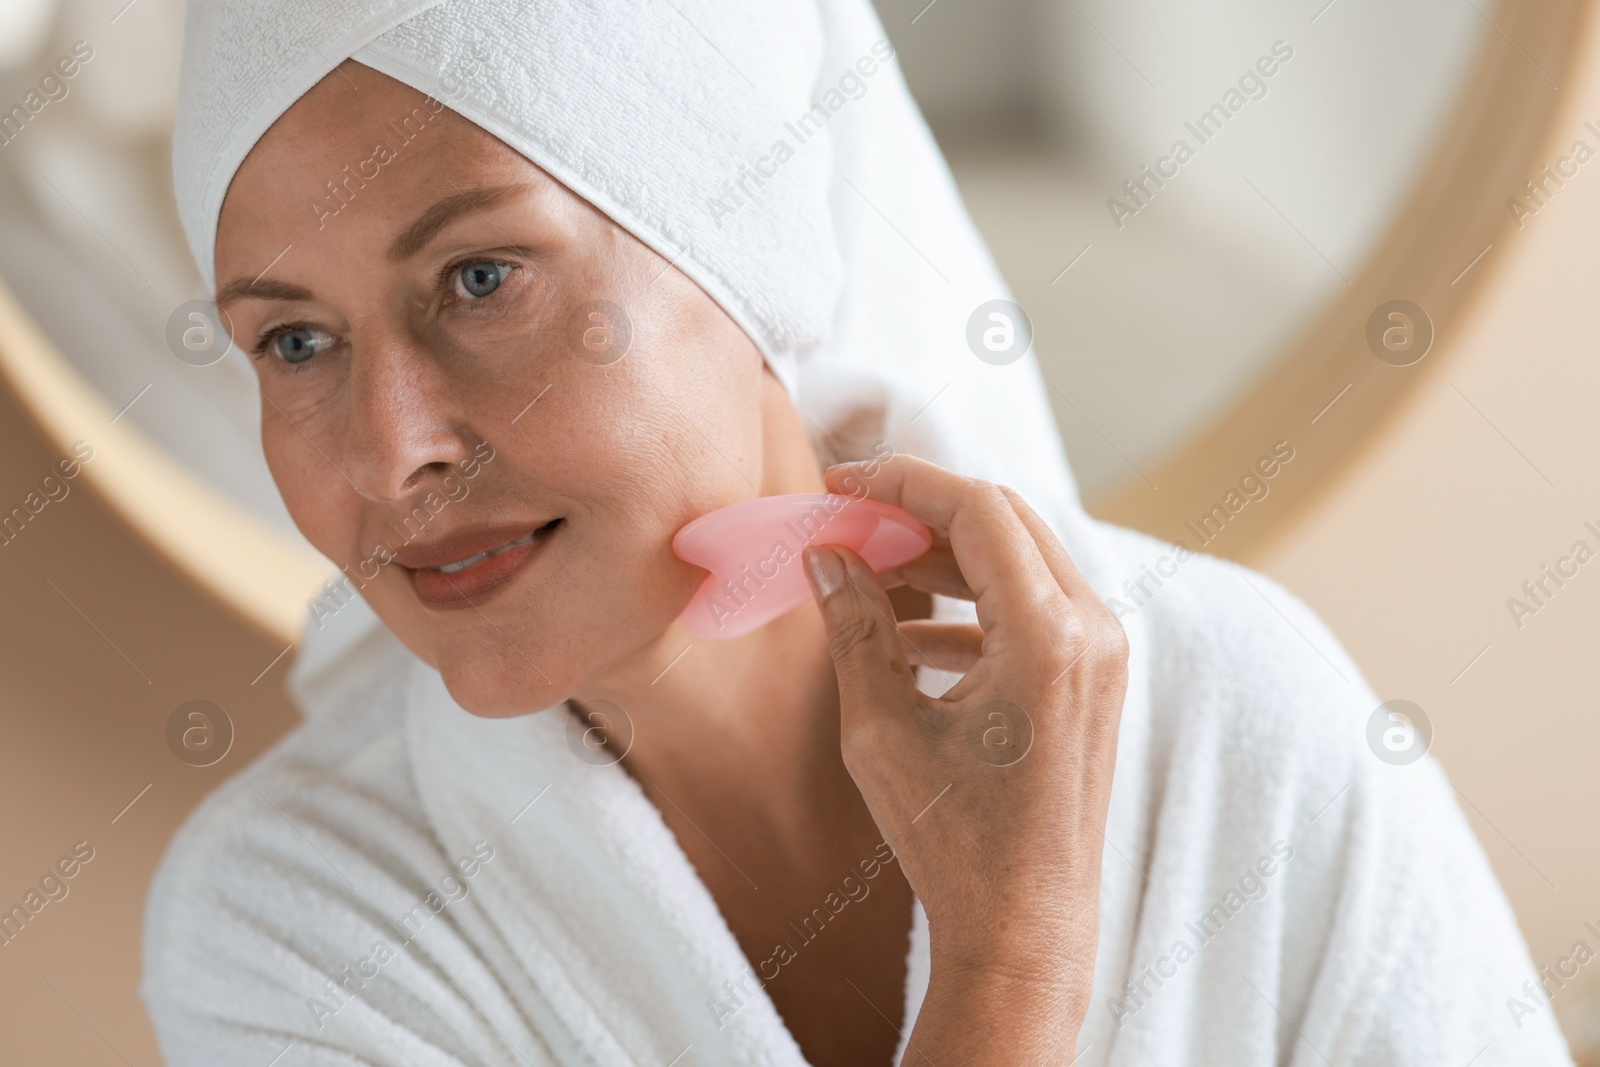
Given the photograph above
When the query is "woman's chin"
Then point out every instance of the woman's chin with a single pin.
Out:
(498, 701)
(504, 671)
(500, 688)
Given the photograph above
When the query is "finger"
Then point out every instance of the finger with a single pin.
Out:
(926, 490)
(994, 550)
(944, 646)
(862, 638)
(935, 571)
(1087, 622)
(1066, 573)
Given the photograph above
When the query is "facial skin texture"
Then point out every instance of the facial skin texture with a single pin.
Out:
(415, 374)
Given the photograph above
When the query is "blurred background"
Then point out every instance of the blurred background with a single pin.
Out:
(1423, 152)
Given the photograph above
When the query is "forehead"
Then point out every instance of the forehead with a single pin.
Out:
(357, 155)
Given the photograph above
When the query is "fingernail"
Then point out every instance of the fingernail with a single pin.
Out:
(825, 570)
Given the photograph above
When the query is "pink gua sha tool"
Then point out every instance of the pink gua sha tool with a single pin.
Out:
(752, 550)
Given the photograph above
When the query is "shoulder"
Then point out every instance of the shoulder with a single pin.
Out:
(1298, 811)
(310, 902)
(1258, 714)
(351, 743)
(1233, 654)
(269, 885)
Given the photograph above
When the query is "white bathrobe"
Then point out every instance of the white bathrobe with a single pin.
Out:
(399, 882)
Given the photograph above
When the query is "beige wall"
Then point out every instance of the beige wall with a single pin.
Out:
(1490, 473)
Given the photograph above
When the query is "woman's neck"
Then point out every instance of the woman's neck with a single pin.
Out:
(754, 721)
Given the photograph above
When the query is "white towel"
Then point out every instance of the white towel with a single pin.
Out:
(319, 907)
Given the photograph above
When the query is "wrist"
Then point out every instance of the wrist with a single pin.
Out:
(990, 1016)
(1008, 993)
(1027, 947)
(1053, 986)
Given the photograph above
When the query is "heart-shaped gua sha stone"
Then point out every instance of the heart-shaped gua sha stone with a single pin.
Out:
(752, 550)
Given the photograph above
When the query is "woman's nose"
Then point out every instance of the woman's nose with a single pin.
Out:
(406, 427)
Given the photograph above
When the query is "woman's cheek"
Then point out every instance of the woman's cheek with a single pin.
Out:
(315, 495)
(301, 401)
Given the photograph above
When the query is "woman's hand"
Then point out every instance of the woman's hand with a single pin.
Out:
(994, 795)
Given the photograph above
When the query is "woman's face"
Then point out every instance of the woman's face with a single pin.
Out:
(459, 356)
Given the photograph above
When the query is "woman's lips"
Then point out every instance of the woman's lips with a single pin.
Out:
(476, 573)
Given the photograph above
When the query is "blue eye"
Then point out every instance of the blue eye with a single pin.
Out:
(299, 344)
(481, 279)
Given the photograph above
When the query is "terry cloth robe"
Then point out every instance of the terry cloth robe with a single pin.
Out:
(400, 882)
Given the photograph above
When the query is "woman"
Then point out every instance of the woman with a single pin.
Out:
(528, 288)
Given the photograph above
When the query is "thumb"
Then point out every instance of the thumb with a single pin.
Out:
(873, 670)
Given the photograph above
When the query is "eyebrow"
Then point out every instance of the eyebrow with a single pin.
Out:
(441, 214)
(240, 288)
(413, 240)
